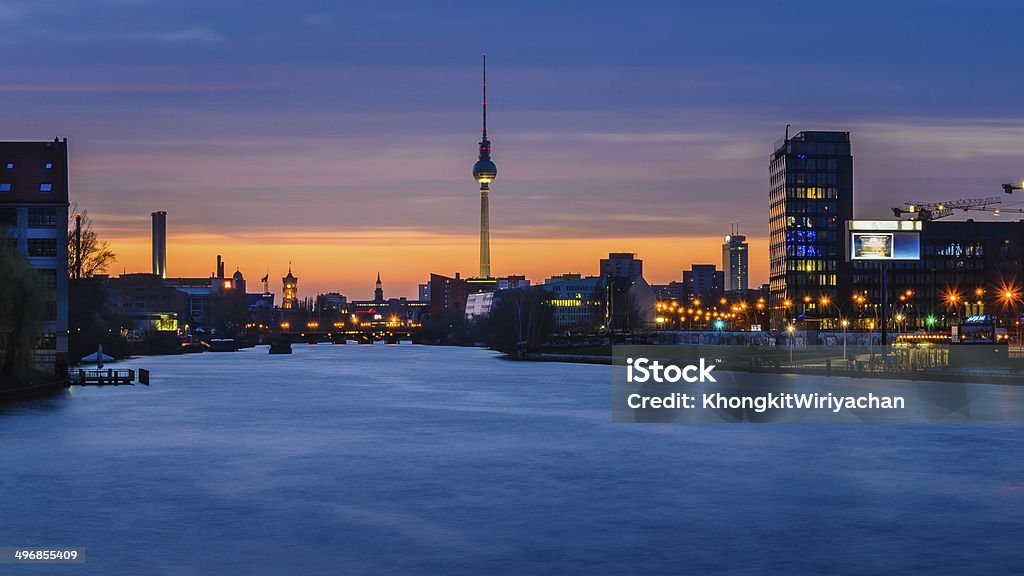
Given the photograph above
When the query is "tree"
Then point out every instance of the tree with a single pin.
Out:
(96, 254)
(21, 313)
(521, 320)
(90, 321)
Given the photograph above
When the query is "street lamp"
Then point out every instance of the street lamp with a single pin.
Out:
(1010, 296)
(871, 339)
(953, 300)
(861, 300)
(844, 323)
(790, 329)
(826, 302)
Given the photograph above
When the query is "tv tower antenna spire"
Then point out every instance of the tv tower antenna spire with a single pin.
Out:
(484, 172)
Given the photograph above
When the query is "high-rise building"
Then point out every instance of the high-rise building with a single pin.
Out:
(34, 212)
(734, 259)
(484, 172)
(160, 244)
(622, 265)
(290, 290)
(704, 282)
(811, 198)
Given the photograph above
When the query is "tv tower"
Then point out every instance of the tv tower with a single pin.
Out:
(484, 172)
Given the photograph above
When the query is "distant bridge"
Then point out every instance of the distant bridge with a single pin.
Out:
(388, 335)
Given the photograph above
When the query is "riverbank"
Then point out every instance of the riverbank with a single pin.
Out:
(32, 391)
(987, 375)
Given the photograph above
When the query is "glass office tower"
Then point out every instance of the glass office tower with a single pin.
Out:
(811, 198)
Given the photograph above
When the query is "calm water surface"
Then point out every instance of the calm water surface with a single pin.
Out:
(419, 460)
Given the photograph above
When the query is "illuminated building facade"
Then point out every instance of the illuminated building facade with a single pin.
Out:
(577, 302)
(34, 213)
(811, 198)
(289, 291)
(146, 303)
(967, 268)
(385, 312)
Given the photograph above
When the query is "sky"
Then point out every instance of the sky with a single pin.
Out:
(339, 137)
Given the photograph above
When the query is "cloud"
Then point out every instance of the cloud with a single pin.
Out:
(952, 139)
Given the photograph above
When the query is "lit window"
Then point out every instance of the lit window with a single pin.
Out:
(49, 165)
(45, 187)
(5, 187)
(10, 165)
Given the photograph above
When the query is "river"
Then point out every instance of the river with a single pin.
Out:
(425, 460)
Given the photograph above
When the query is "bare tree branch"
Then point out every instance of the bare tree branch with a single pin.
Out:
(97, 256)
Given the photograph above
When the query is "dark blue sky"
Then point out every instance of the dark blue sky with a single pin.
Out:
(646, 119)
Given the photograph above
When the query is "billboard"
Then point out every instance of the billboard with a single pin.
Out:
(883, 240)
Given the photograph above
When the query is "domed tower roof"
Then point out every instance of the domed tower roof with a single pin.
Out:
(238, 275)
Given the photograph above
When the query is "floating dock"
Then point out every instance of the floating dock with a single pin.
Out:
(108, 377)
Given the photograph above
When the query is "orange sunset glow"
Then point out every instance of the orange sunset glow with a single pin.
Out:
(348, 262)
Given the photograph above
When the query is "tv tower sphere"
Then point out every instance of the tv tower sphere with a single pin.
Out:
(484, 171)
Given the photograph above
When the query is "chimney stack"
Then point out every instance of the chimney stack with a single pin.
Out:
(160, 244)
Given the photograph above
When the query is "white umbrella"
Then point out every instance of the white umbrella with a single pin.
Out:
(98, 357)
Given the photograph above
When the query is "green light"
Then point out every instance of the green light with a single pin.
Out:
(930, 320)
(719, 324)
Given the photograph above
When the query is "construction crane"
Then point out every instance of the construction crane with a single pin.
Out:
(926, 211)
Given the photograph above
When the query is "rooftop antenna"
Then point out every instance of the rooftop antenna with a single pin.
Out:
(485, 95)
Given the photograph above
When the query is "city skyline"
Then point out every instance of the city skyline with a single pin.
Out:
(345, 152)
